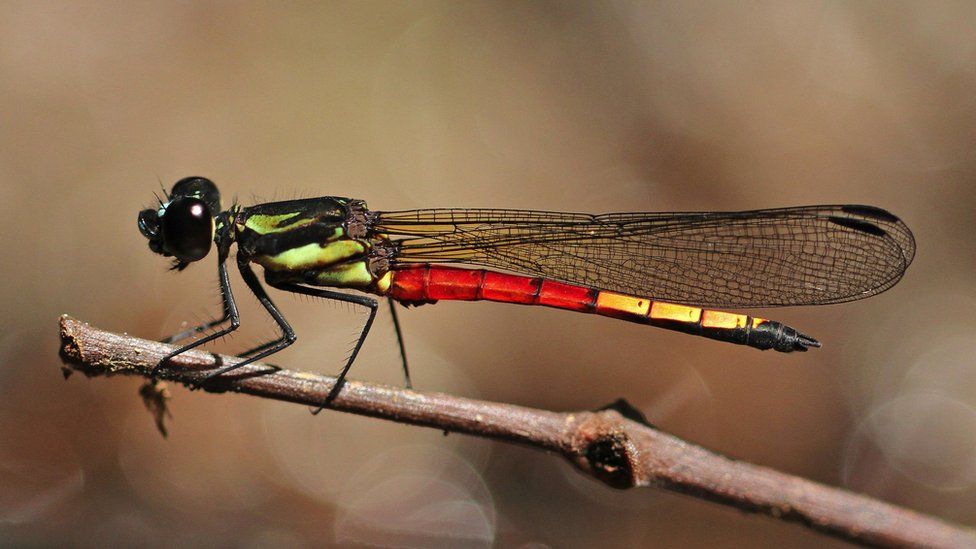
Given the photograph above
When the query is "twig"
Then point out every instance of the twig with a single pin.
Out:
(622, 452)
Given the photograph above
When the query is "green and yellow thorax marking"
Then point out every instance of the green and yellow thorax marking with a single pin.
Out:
(307, 242)
(311, 256)
(269, 224)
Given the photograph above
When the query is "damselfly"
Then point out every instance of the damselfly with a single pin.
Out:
(660, 269)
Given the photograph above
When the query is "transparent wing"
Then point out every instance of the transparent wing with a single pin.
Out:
(808, 255)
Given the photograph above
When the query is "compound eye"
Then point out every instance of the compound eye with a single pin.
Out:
(149, 223)
(187, 229)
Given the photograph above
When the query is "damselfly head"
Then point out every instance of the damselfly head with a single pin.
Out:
(184, 226)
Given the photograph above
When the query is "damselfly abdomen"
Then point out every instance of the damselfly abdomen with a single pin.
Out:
(662, 269)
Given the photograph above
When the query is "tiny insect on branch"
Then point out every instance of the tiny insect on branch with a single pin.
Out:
(616, 448)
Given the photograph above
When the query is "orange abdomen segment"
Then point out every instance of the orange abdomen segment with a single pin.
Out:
(418, 284)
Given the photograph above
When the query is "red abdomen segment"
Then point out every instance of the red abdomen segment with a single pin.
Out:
(418, 284)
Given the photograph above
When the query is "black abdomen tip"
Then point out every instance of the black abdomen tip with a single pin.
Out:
(775, 335)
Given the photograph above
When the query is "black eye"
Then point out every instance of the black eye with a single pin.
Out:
(149, 223)
(187, 229)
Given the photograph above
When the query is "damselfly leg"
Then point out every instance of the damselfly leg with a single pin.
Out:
(399, 335)
(287, 333)
(200, 328)
(230, 310)
(347, 298)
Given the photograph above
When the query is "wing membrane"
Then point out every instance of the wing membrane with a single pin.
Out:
(808, 255)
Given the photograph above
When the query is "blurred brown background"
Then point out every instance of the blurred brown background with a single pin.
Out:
(565, 106)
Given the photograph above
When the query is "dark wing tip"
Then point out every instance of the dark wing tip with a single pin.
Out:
(858, 225)
(871, 219)
(871, 212)
(896, 241)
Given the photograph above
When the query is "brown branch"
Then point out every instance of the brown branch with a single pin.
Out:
(622, 452)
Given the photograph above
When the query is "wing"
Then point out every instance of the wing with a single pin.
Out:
(809, 255)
